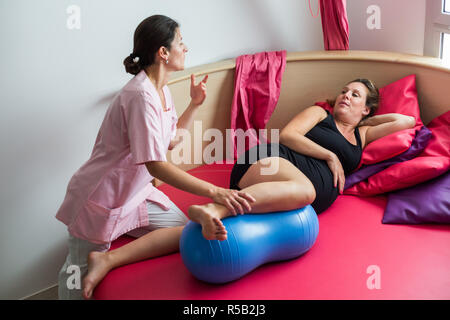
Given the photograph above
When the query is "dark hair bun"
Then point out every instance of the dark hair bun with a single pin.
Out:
(152, 33)
(131, 66)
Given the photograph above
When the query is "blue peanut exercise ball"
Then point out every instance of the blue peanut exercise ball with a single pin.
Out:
(252, 240)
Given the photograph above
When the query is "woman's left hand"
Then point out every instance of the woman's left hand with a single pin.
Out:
(198, 92)
(338, 172)
(236, 201)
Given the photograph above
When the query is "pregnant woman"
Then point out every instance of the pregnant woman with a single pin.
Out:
(316, 150)
(112, 193)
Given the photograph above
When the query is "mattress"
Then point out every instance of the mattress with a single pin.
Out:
(355, 256)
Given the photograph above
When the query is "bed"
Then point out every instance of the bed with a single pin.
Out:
(353, 245)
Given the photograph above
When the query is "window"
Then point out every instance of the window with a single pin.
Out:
(446, 6)
(437, 30)
(445, 49)
(445, 37)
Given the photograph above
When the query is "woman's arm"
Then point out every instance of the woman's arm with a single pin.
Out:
(171, 174)
(234, 200)
(178, 178)
(184, 122)
(382, 125)
(198, 95)
(293, 136)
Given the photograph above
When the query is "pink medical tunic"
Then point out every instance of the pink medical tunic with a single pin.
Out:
(107, 196)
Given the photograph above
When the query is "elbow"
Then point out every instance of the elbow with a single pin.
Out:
(405, 122)
(410, 122)
(413, 122)
(286, 137)
(283, 137)
(154, 167)
(150, 167)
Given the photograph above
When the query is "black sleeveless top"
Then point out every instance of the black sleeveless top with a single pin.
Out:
(327, 135)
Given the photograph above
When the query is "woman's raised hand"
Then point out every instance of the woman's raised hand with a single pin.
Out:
(236, 201)
(198, 92)
(338, 172)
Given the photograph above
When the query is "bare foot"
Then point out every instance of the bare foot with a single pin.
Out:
(98, 267)
(212, 227)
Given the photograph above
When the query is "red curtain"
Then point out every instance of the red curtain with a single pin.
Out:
(334, 24)
(257, 88)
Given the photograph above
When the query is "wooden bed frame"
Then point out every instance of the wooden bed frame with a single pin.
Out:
(310, 77)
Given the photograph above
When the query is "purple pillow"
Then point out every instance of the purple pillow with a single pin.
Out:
(427, 202)
(419, 143)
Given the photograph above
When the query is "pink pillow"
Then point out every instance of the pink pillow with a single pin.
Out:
(432, 162)
(397, 97)
(401, 97)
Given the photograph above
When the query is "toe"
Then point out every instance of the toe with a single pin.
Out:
(218, 222)
(86, 294)
(221, 237)
(87, 289)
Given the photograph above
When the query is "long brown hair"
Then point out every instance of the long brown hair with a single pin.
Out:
(372, 99)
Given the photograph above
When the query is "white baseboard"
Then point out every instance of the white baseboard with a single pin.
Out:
(50, 293)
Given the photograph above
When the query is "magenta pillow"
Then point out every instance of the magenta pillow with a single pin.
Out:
(397, 97)
(428, 202)
(419, 143)
(432, 162)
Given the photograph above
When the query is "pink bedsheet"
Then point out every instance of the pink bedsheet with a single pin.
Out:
(353, 248)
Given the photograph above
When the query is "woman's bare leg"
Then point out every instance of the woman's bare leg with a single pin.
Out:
(287, 189)
(154, 244)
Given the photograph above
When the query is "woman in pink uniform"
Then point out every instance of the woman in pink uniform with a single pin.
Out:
(112, 193)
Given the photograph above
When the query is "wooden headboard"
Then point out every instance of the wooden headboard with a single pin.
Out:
(314, 76)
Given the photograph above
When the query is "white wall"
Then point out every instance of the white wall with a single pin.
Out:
(56, 85)
(402, 25)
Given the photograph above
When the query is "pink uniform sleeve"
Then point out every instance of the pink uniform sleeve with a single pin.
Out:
(145, 130)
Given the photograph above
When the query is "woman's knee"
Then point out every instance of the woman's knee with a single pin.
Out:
(302, 192)
(266, 170)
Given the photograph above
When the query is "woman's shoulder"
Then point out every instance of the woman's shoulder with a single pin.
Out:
(134, 95)
(362, 134)
(139, 84)
(305, 120)
(321, 112)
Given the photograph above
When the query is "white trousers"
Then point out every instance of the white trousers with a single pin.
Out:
(75, 267)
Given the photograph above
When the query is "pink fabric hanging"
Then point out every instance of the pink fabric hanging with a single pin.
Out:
(256, 90)
(334, 24)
